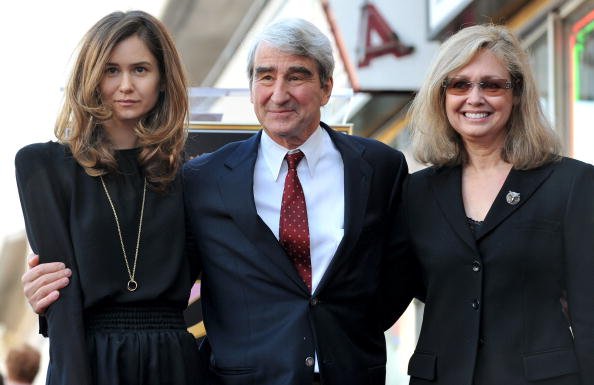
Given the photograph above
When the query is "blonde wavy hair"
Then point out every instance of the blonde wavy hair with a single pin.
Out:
(530, 141)
(161, 133)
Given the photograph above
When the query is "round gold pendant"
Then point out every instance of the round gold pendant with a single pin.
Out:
(132, 285)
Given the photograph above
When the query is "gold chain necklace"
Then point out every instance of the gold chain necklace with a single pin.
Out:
(132, 284)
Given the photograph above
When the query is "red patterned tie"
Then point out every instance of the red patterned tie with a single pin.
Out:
(293, 227)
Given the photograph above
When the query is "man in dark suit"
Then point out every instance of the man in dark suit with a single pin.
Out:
(265, 323)
(277, 312)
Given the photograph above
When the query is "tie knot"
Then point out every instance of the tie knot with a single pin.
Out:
(293, 159)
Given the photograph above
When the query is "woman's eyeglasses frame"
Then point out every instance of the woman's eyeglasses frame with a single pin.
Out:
(490, 87)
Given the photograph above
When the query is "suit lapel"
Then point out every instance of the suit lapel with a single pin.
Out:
(357, 177)
(237, 193)
(446, 186)
(522, 182)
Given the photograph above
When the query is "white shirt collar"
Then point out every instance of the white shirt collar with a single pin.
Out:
(274, 154)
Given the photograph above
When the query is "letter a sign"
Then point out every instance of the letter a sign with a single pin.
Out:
(372, 21)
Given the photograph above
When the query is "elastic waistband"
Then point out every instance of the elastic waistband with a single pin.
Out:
(129, 318)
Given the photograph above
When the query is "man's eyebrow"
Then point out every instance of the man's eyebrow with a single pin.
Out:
(261, 70)
(300, 70)
(291, 70)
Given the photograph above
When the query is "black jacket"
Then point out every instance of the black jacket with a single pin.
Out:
(493, 314)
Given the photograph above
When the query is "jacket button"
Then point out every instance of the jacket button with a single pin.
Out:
(309, 362)
(475, 304)
(476, 266)
(314, 301)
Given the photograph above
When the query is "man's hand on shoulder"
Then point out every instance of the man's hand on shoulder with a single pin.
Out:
(42, 282)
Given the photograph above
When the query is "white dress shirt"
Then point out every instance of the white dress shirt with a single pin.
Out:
(321, 173)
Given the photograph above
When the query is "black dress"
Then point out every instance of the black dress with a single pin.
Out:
(100, 332)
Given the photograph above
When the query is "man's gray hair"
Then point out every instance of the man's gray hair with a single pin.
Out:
(296, 37)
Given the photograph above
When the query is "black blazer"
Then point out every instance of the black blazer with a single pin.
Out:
(263, 326)
(492, 312)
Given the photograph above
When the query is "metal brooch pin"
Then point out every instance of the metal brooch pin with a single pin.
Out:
(512, 197)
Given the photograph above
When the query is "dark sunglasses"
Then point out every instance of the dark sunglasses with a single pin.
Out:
(491, 87)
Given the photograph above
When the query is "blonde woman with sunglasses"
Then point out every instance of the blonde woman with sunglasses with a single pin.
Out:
(500, 226)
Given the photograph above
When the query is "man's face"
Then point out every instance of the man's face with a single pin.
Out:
(287, 95)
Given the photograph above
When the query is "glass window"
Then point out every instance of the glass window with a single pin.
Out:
(538, 51)
(580, 32)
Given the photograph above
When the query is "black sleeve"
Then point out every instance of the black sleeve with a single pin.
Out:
(40, 181)
(400, 275)
(578, 240)
(191, 247)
